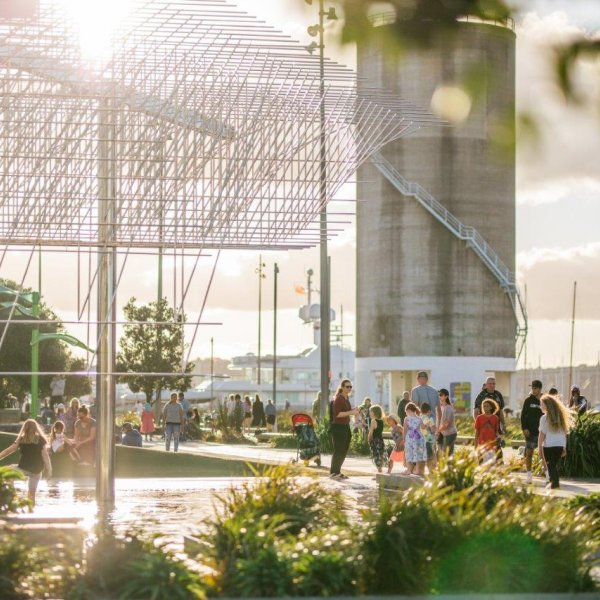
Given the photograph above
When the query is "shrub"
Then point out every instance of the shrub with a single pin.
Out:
(476, 531)
(131, 568)
(9, 500)
(359, 444)
(583, 448)
(284, 441)
(15, 564)
(128, 417)
(253, 519)
(326, 563)
(30, 572)
(322, 431)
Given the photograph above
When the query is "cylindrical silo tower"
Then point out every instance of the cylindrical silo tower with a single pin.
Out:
(432, 293)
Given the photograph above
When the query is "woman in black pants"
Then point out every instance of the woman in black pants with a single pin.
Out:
(341, 411)
(555, 424)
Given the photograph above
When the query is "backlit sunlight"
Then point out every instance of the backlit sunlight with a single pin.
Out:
(97, 21)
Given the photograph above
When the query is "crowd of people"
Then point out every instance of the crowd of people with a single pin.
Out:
(247, 414)
(425, 426)
(72, 432)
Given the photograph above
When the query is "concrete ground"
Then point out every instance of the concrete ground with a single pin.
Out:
(359, 468)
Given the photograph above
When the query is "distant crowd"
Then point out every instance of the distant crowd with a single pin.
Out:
(425, 427)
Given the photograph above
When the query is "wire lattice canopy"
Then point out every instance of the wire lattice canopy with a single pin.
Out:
(201, 129)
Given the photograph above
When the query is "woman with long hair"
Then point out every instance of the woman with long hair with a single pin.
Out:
(340, 413)
(34, 455)
(71, 417)
(555, 424)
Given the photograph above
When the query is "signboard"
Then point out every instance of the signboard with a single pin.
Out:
(460, 393)
(18, 9)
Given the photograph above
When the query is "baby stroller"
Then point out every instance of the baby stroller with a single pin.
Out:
(308, 443)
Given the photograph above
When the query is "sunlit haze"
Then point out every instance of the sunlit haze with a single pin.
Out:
(96, 22)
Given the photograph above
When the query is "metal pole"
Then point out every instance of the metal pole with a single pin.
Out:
(35, 357)
(212, 367)
(324, 271)
(261, 276)
(342, 340)
(525, 349)
(275, 273)
(572, 339)
(160, 222)
(105, 383)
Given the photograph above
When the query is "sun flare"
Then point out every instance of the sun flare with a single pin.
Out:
(96, 21)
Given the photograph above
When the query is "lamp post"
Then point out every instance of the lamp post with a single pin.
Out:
(319, 30)
(261, 276)
(275, 273)
(212, 367)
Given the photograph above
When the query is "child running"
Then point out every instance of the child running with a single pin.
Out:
(428, 433)
(487, 430)
(397, 454)
(555, 424)
(59, 442)
(34, 455)
(375, 436)
(415, 449)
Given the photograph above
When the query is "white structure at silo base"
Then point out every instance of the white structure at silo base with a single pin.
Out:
(385, 378)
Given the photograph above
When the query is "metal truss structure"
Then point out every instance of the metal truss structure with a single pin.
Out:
(201, 129)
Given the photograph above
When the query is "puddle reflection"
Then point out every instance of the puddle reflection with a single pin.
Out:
(170, 508)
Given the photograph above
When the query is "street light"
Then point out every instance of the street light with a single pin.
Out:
(314, 30)
(275, 274)
(261, 276)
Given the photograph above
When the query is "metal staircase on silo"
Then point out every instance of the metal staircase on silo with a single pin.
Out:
(468, 234)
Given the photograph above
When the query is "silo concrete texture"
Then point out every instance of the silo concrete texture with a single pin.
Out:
(425, 300)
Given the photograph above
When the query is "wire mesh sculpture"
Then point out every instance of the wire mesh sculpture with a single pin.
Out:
(201, 127)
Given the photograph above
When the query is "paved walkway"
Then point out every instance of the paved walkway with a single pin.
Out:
(360, 467)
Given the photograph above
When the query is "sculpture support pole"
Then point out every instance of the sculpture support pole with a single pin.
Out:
(105, 381)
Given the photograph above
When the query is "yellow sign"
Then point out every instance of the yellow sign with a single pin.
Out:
(460, 393)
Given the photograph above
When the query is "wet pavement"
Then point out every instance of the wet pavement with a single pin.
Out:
(168, 507)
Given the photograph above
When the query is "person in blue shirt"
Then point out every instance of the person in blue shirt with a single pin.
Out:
(186, 410)
(423, 393)
(131, 436)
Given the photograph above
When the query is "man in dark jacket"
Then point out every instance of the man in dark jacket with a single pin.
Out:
(577, 401)
(530, 423)
(402, 407)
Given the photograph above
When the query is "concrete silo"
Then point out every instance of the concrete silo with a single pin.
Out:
(432, 293)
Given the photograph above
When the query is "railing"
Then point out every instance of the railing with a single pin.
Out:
(389, 17)
(469, 234)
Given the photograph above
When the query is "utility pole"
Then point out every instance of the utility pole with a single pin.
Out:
(314, 30)
(572, 337)
(261, 276)
(275, 274)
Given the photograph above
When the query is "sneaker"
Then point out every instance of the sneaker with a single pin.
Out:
(342, 476)
(335, 476)
(529, 477)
